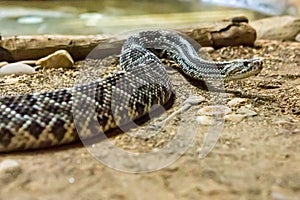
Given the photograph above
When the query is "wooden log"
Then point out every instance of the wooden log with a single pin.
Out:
(16, 48)
(37, 46)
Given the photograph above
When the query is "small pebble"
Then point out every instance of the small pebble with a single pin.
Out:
(214, 110)
(8, 164)
(208, 49)
(16, 68)
(296, 131)
(234, 117)
(9, 170)
(203, 52)
(236, 102)
(59, 59)
(246, 111)
(71, 180)
(194, 100)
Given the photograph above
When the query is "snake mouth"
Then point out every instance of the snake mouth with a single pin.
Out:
(240, 69)
(254, 71)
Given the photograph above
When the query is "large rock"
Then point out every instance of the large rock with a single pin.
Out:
(277, 28)
(58, 59)
(16, 68)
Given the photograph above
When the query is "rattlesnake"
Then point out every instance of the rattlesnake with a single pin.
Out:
(52, 118)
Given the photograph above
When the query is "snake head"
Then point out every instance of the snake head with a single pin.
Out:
(239, 69)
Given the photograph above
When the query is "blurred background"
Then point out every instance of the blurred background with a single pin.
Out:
(112, 16)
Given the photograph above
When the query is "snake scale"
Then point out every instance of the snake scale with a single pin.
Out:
(53, 118)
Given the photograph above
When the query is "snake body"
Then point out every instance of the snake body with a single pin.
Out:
(53, 118)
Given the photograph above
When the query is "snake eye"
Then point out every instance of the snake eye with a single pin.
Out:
(257, 64)
(247, 63)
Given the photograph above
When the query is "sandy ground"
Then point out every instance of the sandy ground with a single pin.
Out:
(257, 158)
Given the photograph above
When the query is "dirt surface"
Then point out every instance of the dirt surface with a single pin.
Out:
(256, 158)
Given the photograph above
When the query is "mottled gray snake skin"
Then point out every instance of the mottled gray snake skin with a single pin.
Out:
(53, 118)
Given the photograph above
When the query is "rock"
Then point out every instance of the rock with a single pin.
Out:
(204, 52)
(71, 180)
(246, 111)
(234, 117)
(298, 38)
(16, 68)
(194, 100)
(3, 63)
(59, 59)
(214, 110)
(207, 49)
(204, 120)
(285, 28)
(296, 131)
(7, 165)
(9, 170)
(236, 102)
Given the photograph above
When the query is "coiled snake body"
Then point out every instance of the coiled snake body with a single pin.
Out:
(53, 118)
